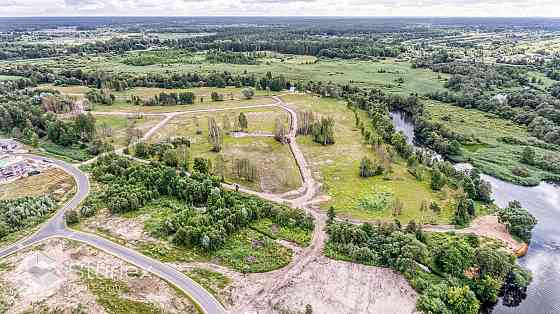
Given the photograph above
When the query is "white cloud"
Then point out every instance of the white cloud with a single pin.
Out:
(282, 7)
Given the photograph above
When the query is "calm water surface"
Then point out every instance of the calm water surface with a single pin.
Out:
(543, 258)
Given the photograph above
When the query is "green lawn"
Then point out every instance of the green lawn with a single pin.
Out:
(113, 129)
(9, 77)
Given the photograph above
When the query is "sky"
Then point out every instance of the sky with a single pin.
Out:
(501, 8)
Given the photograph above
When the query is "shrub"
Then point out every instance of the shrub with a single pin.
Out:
(369, 169)
(248, 93)
(71, 217)
(438, 180)
(520, 172)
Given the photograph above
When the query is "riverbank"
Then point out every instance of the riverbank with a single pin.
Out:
(495, 145)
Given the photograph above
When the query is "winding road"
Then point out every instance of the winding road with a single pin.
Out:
(56, 226)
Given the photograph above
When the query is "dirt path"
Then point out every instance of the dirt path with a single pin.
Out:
(285, 286)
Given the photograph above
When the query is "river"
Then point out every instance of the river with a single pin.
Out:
(543, 258)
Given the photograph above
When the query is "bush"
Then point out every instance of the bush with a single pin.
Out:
(369, 169)
(438, 180)
(520, 172)
(87, 211)
(248, 93)
(71, 217)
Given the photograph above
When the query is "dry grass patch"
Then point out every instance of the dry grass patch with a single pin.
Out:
(53, 180)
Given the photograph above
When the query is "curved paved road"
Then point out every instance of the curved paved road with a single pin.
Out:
(56, 227)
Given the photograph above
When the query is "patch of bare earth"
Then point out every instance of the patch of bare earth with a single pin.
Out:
(488, 226)
(127, 229)
(327, 285)
(47, 277)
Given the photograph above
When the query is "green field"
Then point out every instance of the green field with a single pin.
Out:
(9, 78)
(277, 168)
(337, 167)
(113, 129)
(489, 154)
(381, 73)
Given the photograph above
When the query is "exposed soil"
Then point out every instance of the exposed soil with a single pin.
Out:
(128, 229)
(488, 226)
(46, 277)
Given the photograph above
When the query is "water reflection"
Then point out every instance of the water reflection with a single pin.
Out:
(543, 258)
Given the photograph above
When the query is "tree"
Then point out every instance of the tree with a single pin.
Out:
(220, 167)
(308, 309)
(518, 221)
(215, 136)
(243, 124)
(217, 97)
(280, 131)
(170, 158)
(34, 140)
(85, 126)
(331, 214)
(469, 187)
(248, 93)
(323, 131)
(485, 191)
(226, 124)
(462, 216)
(438, 180)
(201, 165)
(140, 150)
(462, 300)
(398, 206)
(528, 156)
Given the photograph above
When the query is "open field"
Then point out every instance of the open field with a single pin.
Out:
(337, 167)
(114, 129)
(71, 90)
(490, 154)
(9, 78)
(381, 73)
(52, 180)
(276, 166)
(61, 276)
(124, 106)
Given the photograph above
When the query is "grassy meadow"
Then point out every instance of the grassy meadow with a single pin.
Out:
(337, 167)
(490, 154)
(383, 73)
(277, 169)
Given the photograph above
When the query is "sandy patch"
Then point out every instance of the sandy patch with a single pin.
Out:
(488, 226)
(46, 277)
(329, 286)
(128, 229)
